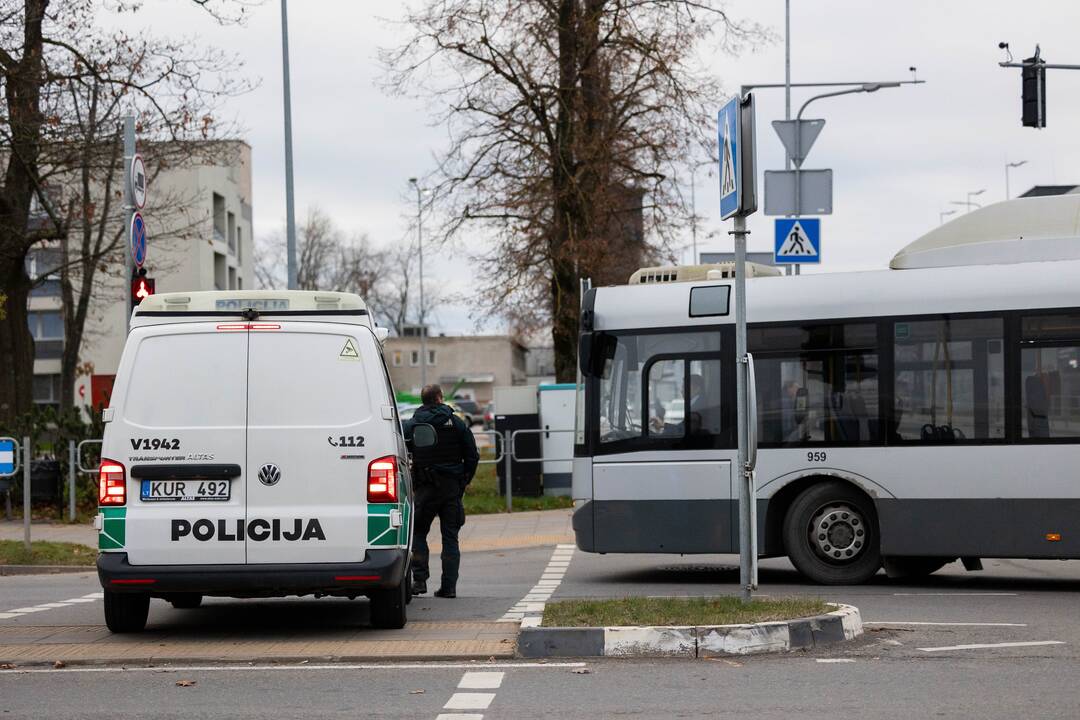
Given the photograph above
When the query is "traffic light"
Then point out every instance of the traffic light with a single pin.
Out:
(1033, 92)
(142, 287)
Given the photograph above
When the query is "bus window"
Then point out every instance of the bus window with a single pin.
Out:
(1050, 377)
(949, 381)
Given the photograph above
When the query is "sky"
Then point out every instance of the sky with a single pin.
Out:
(899, 156)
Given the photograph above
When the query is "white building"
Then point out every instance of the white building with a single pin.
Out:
(208, 246)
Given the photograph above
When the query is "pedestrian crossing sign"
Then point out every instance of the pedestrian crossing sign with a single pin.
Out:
(728, 127)
(798, 240)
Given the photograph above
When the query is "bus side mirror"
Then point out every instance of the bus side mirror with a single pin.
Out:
(424, 436)
(594, 350)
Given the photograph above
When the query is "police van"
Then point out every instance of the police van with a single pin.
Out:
(252, 449)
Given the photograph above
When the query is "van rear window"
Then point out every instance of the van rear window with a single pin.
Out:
(307, 379)
(188, 380)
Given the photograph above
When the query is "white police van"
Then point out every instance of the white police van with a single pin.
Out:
(252, 449)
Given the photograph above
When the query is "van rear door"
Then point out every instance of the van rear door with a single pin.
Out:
(314, 423)
(179, 430)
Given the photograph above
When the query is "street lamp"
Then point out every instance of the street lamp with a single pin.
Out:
(969, 202)
(290, 212)
(1007, 166)
(420, 254)
(943, 214)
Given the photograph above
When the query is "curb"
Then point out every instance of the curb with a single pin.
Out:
(703, 641)
(45, 569)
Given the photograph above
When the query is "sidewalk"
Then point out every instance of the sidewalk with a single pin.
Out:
(481, 532)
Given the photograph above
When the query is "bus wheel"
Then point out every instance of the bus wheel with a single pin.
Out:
(388, 607)
(126, 612)
(831, 534)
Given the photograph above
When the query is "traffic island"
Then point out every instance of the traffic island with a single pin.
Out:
(785, 625)
(45, 557)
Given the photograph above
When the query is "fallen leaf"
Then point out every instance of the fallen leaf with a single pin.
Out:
(185, 683)
(59, 664)
(581, 671)
(416, 692)
(6, 666)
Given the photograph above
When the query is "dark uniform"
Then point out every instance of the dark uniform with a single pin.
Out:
(441, 474)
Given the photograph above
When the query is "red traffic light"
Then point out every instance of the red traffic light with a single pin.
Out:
(142, 287)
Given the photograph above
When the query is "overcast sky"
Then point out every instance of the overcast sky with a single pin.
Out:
(899, 156)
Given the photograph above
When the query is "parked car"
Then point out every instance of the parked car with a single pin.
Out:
(466, 416)
(405, 411)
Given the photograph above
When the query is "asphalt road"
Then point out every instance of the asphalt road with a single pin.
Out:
(913, 662)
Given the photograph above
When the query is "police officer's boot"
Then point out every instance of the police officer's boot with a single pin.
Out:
(419, 587)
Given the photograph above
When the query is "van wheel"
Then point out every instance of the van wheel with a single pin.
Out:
(126, 612)
(186, 601)
(831, 535)
(388, 607)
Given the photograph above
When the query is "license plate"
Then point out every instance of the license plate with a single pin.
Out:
(184, 490)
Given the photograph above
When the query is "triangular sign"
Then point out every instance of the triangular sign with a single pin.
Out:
(797, 243)
(349, 351)
(807, 131)
(727, 164)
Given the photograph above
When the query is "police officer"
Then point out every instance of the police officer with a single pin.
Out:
(441, 474)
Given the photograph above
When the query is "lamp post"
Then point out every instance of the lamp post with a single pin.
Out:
(969, 203)
(290, 212)
(420, 256)
(943, 214)
(1007, 166)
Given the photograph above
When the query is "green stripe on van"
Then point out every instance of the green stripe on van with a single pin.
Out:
(113, 528)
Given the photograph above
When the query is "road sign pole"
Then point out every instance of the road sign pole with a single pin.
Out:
(71, 480)
(26, 458)
(129, 208)
(742, 458)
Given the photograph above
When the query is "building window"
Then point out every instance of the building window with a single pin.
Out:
(46, 324)
(396, 358)
(949, 381)
(1050, 376)
(230, 225)
(239, 244)
(414, 358)
(46, 389)
(430, 357)
(219, 217)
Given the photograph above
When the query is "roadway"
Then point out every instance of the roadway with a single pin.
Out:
(995, 644)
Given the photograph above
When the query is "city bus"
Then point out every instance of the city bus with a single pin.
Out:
(904, 418)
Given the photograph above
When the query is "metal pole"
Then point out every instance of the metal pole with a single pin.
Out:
(509, 472)
(787, 89)
(745, 537)
(290, 211)
(27, 455)
(71, 481)
(420, 253)
(693, 211)
(129, 208)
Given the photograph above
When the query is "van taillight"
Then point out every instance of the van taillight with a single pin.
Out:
(382, 483)
(112, 485)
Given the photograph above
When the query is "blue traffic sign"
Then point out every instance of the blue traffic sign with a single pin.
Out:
(7, 457)
(727, 122)
(798, 240)
(138, 239)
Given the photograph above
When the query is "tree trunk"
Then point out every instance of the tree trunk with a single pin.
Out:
(16, 344)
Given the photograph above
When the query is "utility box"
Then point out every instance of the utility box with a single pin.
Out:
(516, 408)
(557, 405)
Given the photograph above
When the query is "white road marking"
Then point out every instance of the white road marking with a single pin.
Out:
(566, 547)
(80, 600)
(52, 605)
(95, 596)
(943, 624)
(469, 701)
(531, 607)
(305, 668)
(531, 622)
(481, 680)
(956, 594)
(986, 646)
(9, 615)
(459, 716)
(18, 612)
(27, 610)
(834, 660)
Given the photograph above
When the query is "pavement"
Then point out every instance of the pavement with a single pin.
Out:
(1001, 643)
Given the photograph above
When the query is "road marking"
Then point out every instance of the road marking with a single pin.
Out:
(52, 605)
(834, 660)
(80, 600)
(957, 594)
(985, 646)
(531, 607)
(469, 701)
(25, 610)
(9, 615)
(459, 716)
(481, 680)
(305, 668)
(95, 596)
(943, 624)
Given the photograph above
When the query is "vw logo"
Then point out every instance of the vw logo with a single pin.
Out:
(269, 474)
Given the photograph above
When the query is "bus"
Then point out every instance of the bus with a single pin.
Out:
(904, 418)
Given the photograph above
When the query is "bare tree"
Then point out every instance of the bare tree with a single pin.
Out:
(556, 109)
(65, 82)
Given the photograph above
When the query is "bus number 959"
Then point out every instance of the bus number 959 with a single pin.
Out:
(815, 456)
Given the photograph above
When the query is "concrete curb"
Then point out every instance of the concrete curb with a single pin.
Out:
(45, 569)
(842, 624)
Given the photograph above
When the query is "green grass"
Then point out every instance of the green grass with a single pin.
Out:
(43, 552)
(726, 610)
(482, 496)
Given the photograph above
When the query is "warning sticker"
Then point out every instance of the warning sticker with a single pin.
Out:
(349, 352)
